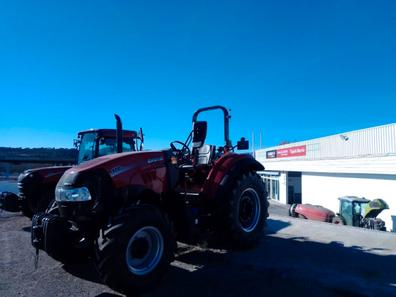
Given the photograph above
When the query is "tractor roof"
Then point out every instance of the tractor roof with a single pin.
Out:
(110, 132)
(355, 199)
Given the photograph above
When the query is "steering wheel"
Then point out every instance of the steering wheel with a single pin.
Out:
(183, 153)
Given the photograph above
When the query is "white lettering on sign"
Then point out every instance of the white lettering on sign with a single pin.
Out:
(295, 151)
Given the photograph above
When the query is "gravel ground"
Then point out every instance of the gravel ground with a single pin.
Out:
(195, 272)
(277, 208)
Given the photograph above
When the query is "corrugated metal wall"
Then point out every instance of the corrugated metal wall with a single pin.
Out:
(371, 142)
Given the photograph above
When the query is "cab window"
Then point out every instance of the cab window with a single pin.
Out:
(87, 147)
(108, 146)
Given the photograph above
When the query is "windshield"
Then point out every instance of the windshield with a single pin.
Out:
(91, 146)
(87, 147)
(108, 146)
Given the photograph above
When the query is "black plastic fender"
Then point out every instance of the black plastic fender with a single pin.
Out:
(247, 164)
(225, 173)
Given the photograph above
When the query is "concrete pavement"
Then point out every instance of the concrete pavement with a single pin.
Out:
(355, 260)
(371, 241)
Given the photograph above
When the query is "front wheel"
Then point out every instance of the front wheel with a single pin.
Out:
(338, 220)
(292, 210)
(135, 250)
(373, 223)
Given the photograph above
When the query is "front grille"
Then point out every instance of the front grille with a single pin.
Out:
(21, 191)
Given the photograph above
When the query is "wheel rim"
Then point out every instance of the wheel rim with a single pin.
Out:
(144, 250)
(249, 210)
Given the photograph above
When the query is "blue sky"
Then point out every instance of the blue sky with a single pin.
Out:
(293, 69)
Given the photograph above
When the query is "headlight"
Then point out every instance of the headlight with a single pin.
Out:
(72, 195)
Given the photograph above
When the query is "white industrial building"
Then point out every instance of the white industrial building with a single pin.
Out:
(319, 171)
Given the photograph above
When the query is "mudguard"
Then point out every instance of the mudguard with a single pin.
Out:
(225, 169)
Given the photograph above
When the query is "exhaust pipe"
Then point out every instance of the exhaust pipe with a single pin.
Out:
(119, 133)
(141, 139)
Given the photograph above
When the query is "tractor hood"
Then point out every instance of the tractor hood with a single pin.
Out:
(374, 208)
(45, 174)
(120, 167)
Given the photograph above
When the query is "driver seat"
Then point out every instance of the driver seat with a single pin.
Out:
(204, 154)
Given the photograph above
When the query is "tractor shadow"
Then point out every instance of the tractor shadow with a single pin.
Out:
(282, 267)
(274, 226)
(27, 229)
(84, 271)
(276, 267)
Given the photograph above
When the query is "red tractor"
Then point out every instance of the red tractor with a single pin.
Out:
(37, 186)
(127, 210)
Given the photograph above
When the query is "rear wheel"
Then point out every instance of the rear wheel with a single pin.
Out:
(246, 209)
(135, 250)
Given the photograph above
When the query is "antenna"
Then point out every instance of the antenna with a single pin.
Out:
(253, 151)
(261, 136)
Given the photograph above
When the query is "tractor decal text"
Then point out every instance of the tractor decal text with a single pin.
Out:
(153, 160)
(120, 169)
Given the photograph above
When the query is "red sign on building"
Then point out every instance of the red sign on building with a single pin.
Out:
(295, 151)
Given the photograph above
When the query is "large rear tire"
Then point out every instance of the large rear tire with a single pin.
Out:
(135, 251)
(245, 211)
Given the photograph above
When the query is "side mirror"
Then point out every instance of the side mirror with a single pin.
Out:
(243, 144)
(199, 133)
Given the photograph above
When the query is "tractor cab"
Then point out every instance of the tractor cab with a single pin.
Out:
(354, 210)
(95, 143)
